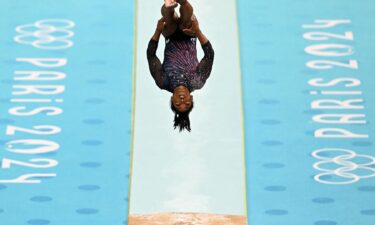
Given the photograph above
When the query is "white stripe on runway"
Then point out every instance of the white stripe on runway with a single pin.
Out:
(202, 171)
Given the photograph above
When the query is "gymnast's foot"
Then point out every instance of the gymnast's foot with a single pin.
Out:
(170, 4)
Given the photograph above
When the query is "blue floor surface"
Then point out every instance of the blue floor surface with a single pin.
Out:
(90, 45)
(284, 136)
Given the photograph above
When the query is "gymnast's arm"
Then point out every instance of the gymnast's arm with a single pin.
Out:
(154, 63)
(205, 65)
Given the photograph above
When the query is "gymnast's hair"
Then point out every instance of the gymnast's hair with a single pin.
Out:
(181, 119)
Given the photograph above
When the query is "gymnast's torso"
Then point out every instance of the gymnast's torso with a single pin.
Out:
(180, 65)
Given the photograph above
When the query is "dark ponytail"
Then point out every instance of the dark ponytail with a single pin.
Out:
(181, 119)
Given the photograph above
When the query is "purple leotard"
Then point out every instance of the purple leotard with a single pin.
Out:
(181, 65)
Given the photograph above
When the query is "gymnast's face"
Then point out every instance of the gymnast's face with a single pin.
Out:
(181, 99)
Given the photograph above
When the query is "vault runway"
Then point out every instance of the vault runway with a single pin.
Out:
(282, 131)
(202, 171)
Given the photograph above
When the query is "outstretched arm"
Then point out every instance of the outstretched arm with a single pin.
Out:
(154, 63)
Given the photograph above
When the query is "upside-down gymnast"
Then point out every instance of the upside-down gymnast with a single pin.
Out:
(181, 73)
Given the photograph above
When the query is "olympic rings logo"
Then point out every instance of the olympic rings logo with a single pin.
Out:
(50, 34)
(352, 166)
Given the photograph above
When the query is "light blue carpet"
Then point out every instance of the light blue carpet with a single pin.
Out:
(281, 132)
(93, 43)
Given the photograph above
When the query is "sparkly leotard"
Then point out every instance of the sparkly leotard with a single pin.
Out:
(181, 65)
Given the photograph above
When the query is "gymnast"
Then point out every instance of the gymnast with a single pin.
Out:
(181, 73)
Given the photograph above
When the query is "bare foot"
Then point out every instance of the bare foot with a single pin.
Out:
(170, 3)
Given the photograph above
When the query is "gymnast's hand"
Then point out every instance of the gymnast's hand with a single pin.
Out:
(160, 26)
(194, 29)
(170, 3)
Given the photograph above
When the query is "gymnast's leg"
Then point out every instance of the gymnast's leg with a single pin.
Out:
(170, 17)
(186, 13)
